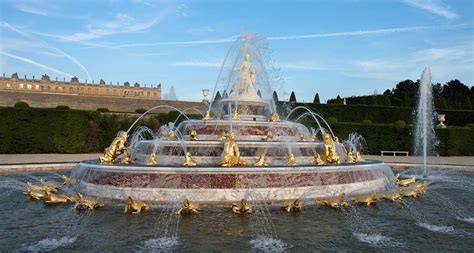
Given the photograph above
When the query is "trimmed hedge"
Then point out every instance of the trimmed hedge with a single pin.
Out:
(36, 130)
(379, 114)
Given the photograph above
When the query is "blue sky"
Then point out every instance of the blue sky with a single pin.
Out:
(346, 47)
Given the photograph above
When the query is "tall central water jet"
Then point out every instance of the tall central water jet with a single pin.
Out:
(425, 136)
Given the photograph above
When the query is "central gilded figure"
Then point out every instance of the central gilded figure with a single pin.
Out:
(231, 153)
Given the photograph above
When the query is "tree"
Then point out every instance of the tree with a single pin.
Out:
(316, 99)
(407, 91)
(441, 103)
(292, 97)
(224, 95)
(259, 93)
(362, 101)
(338, 100)
(275, 96)
(386, 100)
(455, 92)
(466, 103)
(218, 96)
(373, 100)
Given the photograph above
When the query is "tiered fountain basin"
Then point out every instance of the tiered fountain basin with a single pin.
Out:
(222, 185)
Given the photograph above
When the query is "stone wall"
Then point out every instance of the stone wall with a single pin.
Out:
(51, 100)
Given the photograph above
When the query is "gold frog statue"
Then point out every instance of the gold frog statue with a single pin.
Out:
(83, 204)
(292, 206)
(330, 150)
(112, 153)
(187, 208)
(41, 188)
(50, 198)
(241, 207)
(135, 206)
(231, 153)
(337, 202)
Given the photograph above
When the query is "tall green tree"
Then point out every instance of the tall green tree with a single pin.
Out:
(218, 96)
(316, 99)
(338, 100)
(275, 96)
(292, 97)
(386, 100)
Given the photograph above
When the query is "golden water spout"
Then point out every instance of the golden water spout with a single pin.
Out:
(241, 207)
(317, 159)
(152, 159)
(274, 117)
(292, 206)
(188, 160)
(261, 161)
(112, 153)
(135, 206)
(188, 208)
(269, 136)
(193, 135)
(292, 160)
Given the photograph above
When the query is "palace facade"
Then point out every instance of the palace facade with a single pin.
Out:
(74, 87)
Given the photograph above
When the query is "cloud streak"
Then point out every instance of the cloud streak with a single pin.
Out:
(434, 7)
(36, 64)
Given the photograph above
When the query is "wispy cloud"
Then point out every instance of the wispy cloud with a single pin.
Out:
(121, 23)
(197, 63)
(294, 37)
(36, 7)
(36, 64)
(5, 25)
(433, 6)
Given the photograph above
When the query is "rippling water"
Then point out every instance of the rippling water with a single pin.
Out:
(440, 221)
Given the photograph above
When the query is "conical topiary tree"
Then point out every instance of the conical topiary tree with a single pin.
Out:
(316, 99)
(218, 96)
(275, 96)
(292, 97)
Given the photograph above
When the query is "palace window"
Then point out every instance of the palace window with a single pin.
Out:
(21, 86)
(82, 89)
(8, 85)
(28, 86)
(37, 87)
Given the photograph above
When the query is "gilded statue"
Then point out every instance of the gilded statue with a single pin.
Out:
(112, 153)
(302, 138)
(135, 206)
(330, 150)
(269, 136)
(405, 182)
(337, 202)
(262, 161)
(222, 136)
(34, 195)
(188, 160)
(292, 206)
(292, 160)
(187, 208)
(50, 198)
(193, 135)
(83, 204)
(242, 207)
(274, 117)
(358, 157)
(314, 137)
(207, 115)
(367, 200)
(393, 196)
(127, 157)
(41, 188)
(317, 159)
(235, 115)
(65, 180)
(152, 159)
(171, 135)
(231, 153)
(350, 157)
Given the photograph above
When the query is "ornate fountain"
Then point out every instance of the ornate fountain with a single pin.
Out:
(241, 149)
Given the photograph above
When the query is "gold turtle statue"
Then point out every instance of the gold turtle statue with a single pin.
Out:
(241, 207)
(83, 204)
(188, 160)
(135, 206)
(50, 198)
(262, 161)
(292, 206)
(112, 153)
(336, 202)
(187, 208)
(292, 160)
(231, 154)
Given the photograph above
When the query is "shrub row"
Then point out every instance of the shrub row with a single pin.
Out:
(379, 114)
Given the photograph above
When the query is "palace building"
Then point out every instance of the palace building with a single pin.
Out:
(74, 87)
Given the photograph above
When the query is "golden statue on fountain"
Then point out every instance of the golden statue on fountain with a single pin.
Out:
(337, 202)
(112, 153)
(292, 206)
(292, 160)
(330, 150)
(135, 206)
(404, 182)
(231, 153)
(50, 198)
(274, 117)
(368, 200)
(242, 207)
(152, 159)
(188, 160)
(317, 159)
(187, 208)
(83, 204)
(262, 161)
